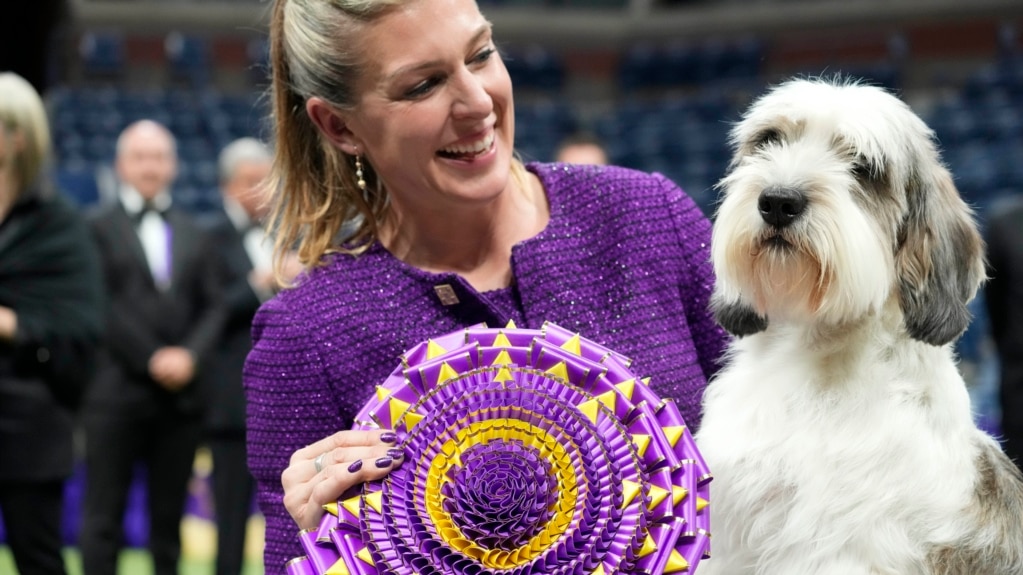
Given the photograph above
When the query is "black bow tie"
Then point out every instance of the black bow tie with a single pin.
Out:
(147, 207)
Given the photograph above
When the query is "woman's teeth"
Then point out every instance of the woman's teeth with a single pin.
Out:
(468, 150)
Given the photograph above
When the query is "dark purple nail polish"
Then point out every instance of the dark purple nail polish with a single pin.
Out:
(395, 453)
(388, 437)
(384, 462)
(355, 466)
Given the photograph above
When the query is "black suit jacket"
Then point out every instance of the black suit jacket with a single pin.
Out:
(50, 277)
(226, 413)
(141, 318)
(1004, 298)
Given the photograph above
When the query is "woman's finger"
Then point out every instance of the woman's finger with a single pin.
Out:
(305, 469)
(340, 478)
(307, 490)
(341, 439)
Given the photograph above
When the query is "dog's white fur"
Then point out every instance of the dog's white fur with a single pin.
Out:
(839, 432)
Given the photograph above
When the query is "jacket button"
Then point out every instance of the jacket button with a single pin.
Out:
(446, 294)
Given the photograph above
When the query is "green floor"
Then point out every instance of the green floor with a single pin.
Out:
(133, 562)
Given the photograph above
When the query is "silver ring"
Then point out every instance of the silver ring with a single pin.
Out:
(318, 462)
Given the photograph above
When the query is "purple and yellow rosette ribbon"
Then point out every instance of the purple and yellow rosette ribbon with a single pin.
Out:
(530, 452)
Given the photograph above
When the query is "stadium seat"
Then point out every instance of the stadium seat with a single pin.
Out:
(102, 55)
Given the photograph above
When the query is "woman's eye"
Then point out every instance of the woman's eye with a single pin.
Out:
(483, 56)
(422, 88)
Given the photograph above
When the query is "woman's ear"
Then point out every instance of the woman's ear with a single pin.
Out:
(332, 125)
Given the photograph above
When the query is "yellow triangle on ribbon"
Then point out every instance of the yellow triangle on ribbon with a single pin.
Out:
(501, 340)
(599, 570)
(397, 408)
(701, 504)
(446, 373)
(630, 489)
(674, 433)
(375, 500)
(649, 546)
(646, 381)
(609, 398)
(573, 345)
(657, 495)
(338, 568)
(331, 508)
(590, 407)
(412, 419)
(511, 324)
(503, 374)
(678, 494)
(559, 370)
(676, 563)
(352, 505)
(627, 388)
(434, 349)
(642, 442)
(502, 358)
(365, 555)
(382, 392)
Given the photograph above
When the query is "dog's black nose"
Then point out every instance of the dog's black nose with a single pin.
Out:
(781, 206)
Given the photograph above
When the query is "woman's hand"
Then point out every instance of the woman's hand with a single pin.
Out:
(319, 473)
(8, 323)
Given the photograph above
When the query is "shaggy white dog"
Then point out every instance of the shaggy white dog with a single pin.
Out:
(839, 432)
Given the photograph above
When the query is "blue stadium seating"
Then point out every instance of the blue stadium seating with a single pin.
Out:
(102, 54)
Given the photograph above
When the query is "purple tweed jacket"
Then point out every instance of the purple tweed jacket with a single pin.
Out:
(624, 261)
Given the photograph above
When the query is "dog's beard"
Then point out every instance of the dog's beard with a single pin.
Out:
(781, 274)
(830, 266)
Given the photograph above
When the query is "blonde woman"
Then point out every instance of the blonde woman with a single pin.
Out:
(395, 119)
(50, 322)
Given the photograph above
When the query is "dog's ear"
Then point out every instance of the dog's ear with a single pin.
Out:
(736, 317)
(940, 261)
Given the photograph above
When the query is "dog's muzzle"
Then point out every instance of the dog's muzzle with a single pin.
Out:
(779, 207)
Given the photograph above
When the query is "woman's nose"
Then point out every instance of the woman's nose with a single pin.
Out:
(473, 99)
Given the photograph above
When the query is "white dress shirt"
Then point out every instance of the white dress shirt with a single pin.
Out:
(257, 245)
(153, 231)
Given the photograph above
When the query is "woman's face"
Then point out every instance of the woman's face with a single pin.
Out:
(434, 117)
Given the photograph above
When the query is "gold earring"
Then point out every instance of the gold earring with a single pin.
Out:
(359, 181)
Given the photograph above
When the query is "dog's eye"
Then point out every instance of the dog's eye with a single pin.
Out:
(862, 169)
(767, 137)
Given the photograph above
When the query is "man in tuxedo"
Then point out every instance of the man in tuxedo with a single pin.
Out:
(162, 321)
(1004, 297)
(246, 258)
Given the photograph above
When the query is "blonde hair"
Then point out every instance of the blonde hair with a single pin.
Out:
(313, 185)
(23, 114)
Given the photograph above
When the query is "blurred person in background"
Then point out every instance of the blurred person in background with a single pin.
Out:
(1004, 297)
(162, 321)
(581, 148)
(50, 326)
(246, 254)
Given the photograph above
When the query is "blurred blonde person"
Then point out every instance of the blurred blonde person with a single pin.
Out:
(50, 324)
